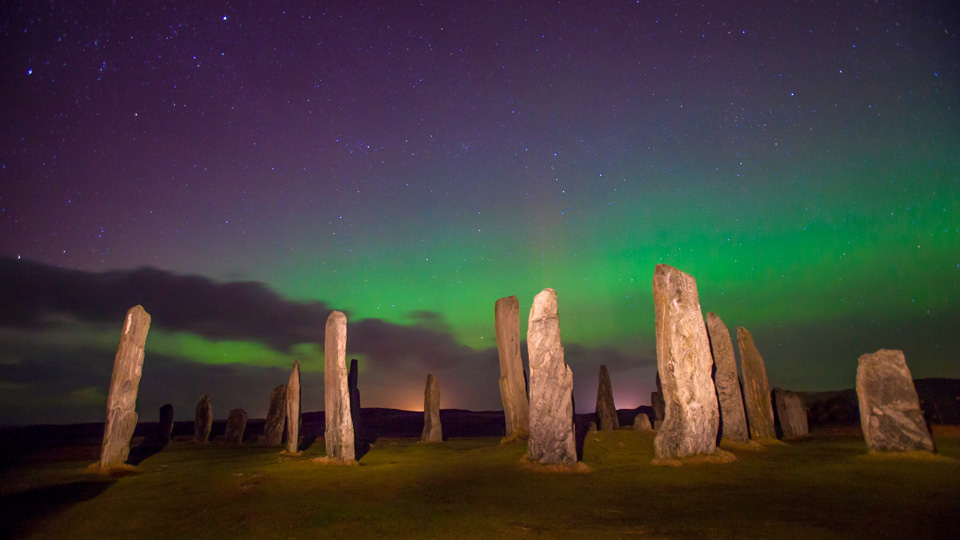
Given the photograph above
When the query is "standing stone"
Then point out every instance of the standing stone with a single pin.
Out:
(338, 433)
(276, 418)
(791, 413)
(165, 426)
(513, 390)
(121, 417)
(733, 421)
(432, 431)
(236, 424)
(354, 398)
(685, 365)
(203, 420)
(890, 414)
(551, 439)
(606, 410)
(756, 390)
(642, 423)
(293, 409)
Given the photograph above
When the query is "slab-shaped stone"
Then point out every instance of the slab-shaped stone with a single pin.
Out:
(642, 423)
(791, 414)
(756, 389)
(203, 420)
(733, 420)
(890, 414)
(338, 432)
(121, 418)
(513, 388)
(293, 409)
(685, 365)
(606, 410)
(165, 426)
(551, 439)
(236, 425)
(272, 434)
(432, 430)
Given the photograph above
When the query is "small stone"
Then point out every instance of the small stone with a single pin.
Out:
(338, 431)
(791, 413)
(276, 418)
(432, 430)
(733, 420)
(890, 414)
(293, 409)
(756, 389)
(642, 423)
(513, 388)
(165, 426)
(236, 424)
(203, 420)
(606, 410)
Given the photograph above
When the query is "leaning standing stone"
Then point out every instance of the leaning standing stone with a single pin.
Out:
(733, 421)
(606, 410)
(276, 418)
(165, 426)
(685, 365)
(551, 439)
(791, 413)
(338, 434)
(890, 414)
(432, 430)
(124, 382)
(203, 420)
(513, 391)
(756, 390)
(236, 424)
(293, 409)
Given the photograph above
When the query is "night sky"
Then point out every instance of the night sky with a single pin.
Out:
(241, 170)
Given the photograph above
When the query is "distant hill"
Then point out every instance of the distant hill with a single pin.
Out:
(939, 399)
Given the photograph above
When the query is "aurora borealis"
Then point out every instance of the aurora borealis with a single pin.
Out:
(409, 165)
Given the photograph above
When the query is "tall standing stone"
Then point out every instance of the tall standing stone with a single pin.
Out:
(756, 390)
(890, 414)
(276, 418)
(606, 410)
(293, 409)
(513, 390)
(165, 426)
(338, 433)
(733, 421)
(551, 439)
(791, 413)
(203, 420)
(352, 378)
(685, 365)
(432, 430)
(121, 417)
(236, 425)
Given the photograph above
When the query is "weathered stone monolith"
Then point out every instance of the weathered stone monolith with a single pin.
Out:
(685, 365)
(203, 420)
(236, 425)
(756, 389)
(293, 410)
(272, 434)
(513, 390)
(890, 414)
(606, 410)
(352, 379)
(733, 421)
(551, 439)
(338, 432)
(791, 414)
(642, 423)
(121, 417)
(432, 430)
(165, 426)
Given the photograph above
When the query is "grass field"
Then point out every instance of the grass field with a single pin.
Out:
(822, 487)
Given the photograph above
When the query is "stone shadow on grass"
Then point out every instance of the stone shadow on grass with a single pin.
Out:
(21, 512)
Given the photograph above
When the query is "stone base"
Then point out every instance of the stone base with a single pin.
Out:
(123, 469)
(516, 436)
(720, 456)
(334, 461)
(574, 468)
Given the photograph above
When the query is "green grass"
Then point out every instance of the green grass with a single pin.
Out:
(823, 487)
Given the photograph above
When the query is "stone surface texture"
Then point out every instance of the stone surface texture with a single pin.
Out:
(432, 430)
(513, 387)
(642, 423)
(293, 410)
(338, 432)
(165, 426)
(203, 420)
(791, 413)
(551, 439)
(121, 417)
(890, 414)
(606, 410)
(733, 419)
(272, 434)
(685, 364)
(756, 389)
(236, 425)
